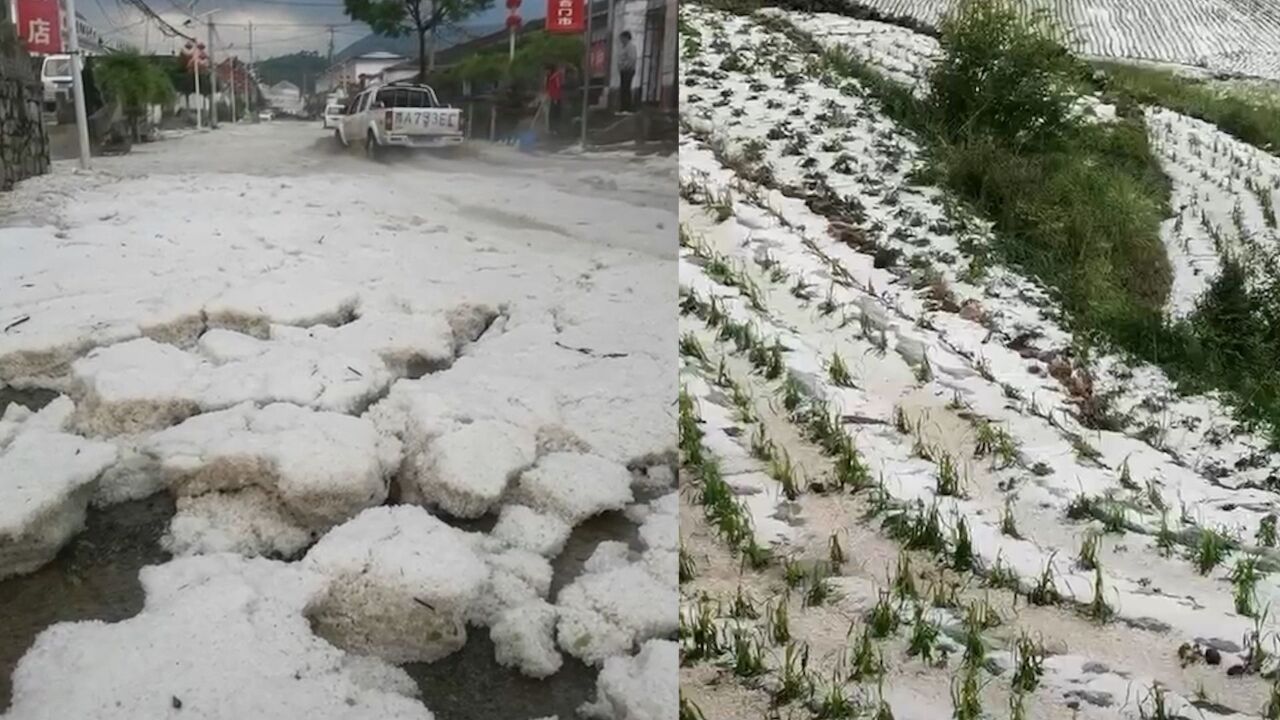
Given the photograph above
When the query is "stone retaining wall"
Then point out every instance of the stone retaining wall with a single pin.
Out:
(24, 145)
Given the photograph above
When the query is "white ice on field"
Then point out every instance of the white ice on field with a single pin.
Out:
(1218, 35)
(997, 352)
(221, 637)
(46, 480)
(321, 468)
(643, 687)
(575, 486)
(399, 584)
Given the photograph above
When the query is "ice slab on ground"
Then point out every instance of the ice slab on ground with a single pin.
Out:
(143, 385)
(400, 582)
(575, 486)
(523, 527)
(644, 687)
(321, 468)
(303, 301)
(410, 344)
(419, 411)
(524, 638)
(135, 386)
(249, 522)
(609, 611)
(465, 472)
(46, 480)
(516, 577)
(220, 637)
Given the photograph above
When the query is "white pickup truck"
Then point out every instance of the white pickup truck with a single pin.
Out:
(399, 115)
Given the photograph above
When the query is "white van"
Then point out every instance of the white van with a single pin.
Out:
(55, 74)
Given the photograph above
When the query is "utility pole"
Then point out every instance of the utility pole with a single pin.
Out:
(213, 76)
(251, 85)
(195, 73)
(609, 40)
(331, 31)
(231, 63)
(77, 86)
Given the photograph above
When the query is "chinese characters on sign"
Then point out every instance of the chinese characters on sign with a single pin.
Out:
(40, 25)
(566, 16)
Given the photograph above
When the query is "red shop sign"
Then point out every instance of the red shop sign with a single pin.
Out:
(566, 16)
(40, 26)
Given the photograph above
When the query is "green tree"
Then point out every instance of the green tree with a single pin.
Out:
(135, 82)
(398, 18)
(534, 51)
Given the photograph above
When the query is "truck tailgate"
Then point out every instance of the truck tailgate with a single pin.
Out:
(425, 121)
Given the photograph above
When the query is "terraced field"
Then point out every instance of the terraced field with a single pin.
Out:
(894, 452)
(1231, 36)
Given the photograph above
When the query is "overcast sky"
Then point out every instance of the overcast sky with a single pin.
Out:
(279, 26)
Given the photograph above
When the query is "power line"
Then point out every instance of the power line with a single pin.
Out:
(292, 25)
(164, 25)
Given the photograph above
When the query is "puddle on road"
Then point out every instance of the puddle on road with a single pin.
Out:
(30, 399)
(95, 577)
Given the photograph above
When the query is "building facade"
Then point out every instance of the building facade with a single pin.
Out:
(348, 72)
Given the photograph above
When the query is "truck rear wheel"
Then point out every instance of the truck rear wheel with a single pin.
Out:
(337, 135)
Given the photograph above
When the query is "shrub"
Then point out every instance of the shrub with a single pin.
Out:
(1002, 73)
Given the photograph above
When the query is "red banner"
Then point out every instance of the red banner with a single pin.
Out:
(598, 57)
(40, 26)
(566, 16)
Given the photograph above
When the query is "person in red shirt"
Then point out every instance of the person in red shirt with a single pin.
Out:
(555, 94)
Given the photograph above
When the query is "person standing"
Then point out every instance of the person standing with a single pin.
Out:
(626, 70)
(555, 96)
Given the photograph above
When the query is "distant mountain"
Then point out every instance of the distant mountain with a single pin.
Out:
(300, 68)
(408, 45)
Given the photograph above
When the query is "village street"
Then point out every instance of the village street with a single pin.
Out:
(259, 342)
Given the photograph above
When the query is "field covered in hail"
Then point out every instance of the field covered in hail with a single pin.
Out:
(1231, 36)
(904, 495)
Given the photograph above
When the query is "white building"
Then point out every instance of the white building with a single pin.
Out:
(652, 24)
(349, 71)
(284, 96)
